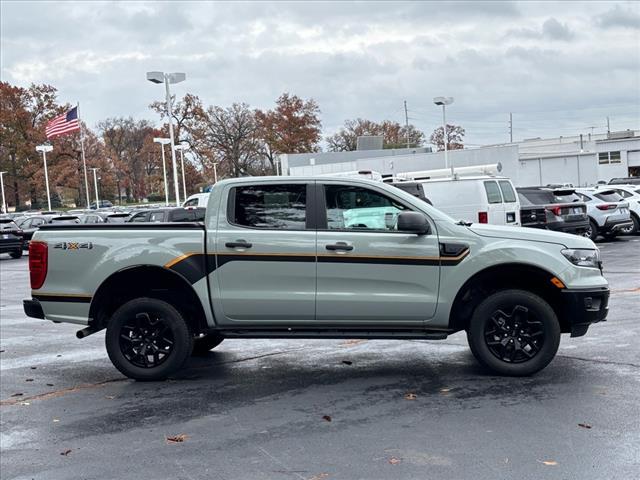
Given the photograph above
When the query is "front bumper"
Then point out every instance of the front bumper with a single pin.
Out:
(33, 309)
(581, 308)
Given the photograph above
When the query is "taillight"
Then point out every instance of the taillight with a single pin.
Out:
(557, 211)
(38, 263)
(606, 206)
(483, 217)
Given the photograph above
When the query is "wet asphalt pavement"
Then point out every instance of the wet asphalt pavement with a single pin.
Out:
(324, 409)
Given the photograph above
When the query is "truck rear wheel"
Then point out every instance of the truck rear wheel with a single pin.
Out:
(202, 345)
(514, 333)
(148, 339)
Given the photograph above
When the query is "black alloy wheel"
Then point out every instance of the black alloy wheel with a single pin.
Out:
(146, 340)
(514, 337)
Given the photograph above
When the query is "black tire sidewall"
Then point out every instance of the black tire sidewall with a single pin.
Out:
(183, 339)
(506, 300)
(16, 254)
(594, 230)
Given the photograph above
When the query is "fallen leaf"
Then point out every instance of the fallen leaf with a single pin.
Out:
(109, 397)
(347, 362)
(548, 462)
(58, 355)
(177, 438)
(56, 420)
(33, 368)
(66, 452)
(355, 341)
(394, 460)
(584, 425)
(410, 396)
(49, 384)
(445, 390)
(17, 394)
(29, 380)
(326, 418)
(320, 476)
(25, 403)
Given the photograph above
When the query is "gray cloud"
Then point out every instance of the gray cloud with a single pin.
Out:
(619, 17)
(551, 29)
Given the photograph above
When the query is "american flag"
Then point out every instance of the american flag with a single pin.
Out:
(63, 124)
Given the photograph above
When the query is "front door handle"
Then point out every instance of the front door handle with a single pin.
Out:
(340, 246)
(238, 244)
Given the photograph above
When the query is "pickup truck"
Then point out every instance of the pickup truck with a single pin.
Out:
(288, 257)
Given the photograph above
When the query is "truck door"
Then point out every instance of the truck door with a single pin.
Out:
(265, 254)
(368, 271)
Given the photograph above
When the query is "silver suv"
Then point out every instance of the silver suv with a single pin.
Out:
(608, 212)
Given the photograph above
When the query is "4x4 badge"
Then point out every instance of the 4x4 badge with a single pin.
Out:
(73, 245)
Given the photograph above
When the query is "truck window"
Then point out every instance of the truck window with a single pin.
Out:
(493, 192)
(357, 208)
(507, 191)
(191, 203)
(181, 216)
(279, 207)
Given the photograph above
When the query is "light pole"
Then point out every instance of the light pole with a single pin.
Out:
(163, 142)
(215, 172)
(4, 203)
(444, 101)
(167, 78)
(95, 185)
(182, 147)
(44, 149)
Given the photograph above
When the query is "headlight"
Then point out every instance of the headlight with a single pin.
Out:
(583, 257)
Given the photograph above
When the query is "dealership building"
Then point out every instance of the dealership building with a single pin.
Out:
(580, 160)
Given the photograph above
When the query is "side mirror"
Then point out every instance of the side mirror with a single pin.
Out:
(413, 222)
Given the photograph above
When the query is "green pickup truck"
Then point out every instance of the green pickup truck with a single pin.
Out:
(317, 257)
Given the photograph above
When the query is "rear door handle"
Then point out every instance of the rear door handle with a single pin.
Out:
(340, 246)
(238, 244)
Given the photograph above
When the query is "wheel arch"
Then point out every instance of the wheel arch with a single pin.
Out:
(514, 275)
(147, 281)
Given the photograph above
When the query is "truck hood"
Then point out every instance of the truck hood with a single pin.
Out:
(532, 235)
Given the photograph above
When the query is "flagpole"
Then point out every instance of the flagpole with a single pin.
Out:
(84, 162)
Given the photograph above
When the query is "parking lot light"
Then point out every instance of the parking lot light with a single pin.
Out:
(95, 184)
(182, 146)
(44, 149)
(163, 142)
(444, 101)
(4, 203)
(169, 78)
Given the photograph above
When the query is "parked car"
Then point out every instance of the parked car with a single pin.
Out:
(29, 225)
(197, 200)
(65, 220)
(91, 218)
(625, 181)
(171, 214)
(608, 212)
(278, 258)
(103, 204)
(116, 217)
(11, 238)
(477, 199)
(552, 208)
(631, 194)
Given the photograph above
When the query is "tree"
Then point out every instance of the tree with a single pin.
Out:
(394, 135)
(455, 136)
(292, 127)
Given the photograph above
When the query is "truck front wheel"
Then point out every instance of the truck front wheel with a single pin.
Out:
(148, 339)
(514, 333)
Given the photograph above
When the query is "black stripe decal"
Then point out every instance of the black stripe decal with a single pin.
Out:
(62, 298)
(196, 266)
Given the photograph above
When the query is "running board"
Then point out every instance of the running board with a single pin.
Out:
(334, 333)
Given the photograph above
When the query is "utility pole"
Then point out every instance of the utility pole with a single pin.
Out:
(608, 127)
(510, 127)
(406, 123)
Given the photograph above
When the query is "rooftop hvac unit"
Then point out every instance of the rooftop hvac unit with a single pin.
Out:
(369, 142)
(488, 169)
(619, 135)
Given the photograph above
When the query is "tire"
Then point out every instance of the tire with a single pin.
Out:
(202, 345)
(148, 323)
(592, 231)
(492, 333)
(633, 230)
(610, 235)
(16, 253)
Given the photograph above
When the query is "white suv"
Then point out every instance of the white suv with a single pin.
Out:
(631, 194)
(608, 212)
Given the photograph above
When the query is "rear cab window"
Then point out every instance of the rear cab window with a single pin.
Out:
(269, 206)
(493, 192)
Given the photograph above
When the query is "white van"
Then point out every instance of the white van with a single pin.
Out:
(197, 200)
(477, 199)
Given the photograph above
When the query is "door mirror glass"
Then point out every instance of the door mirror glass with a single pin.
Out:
(413, 222)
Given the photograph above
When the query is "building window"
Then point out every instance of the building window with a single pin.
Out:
(614, 157)
(608, 157)
(603, 157)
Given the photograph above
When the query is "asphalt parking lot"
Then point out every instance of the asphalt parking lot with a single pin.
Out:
(325, 409)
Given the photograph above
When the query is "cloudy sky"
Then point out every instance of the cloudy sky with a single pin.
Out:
(560, 67)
